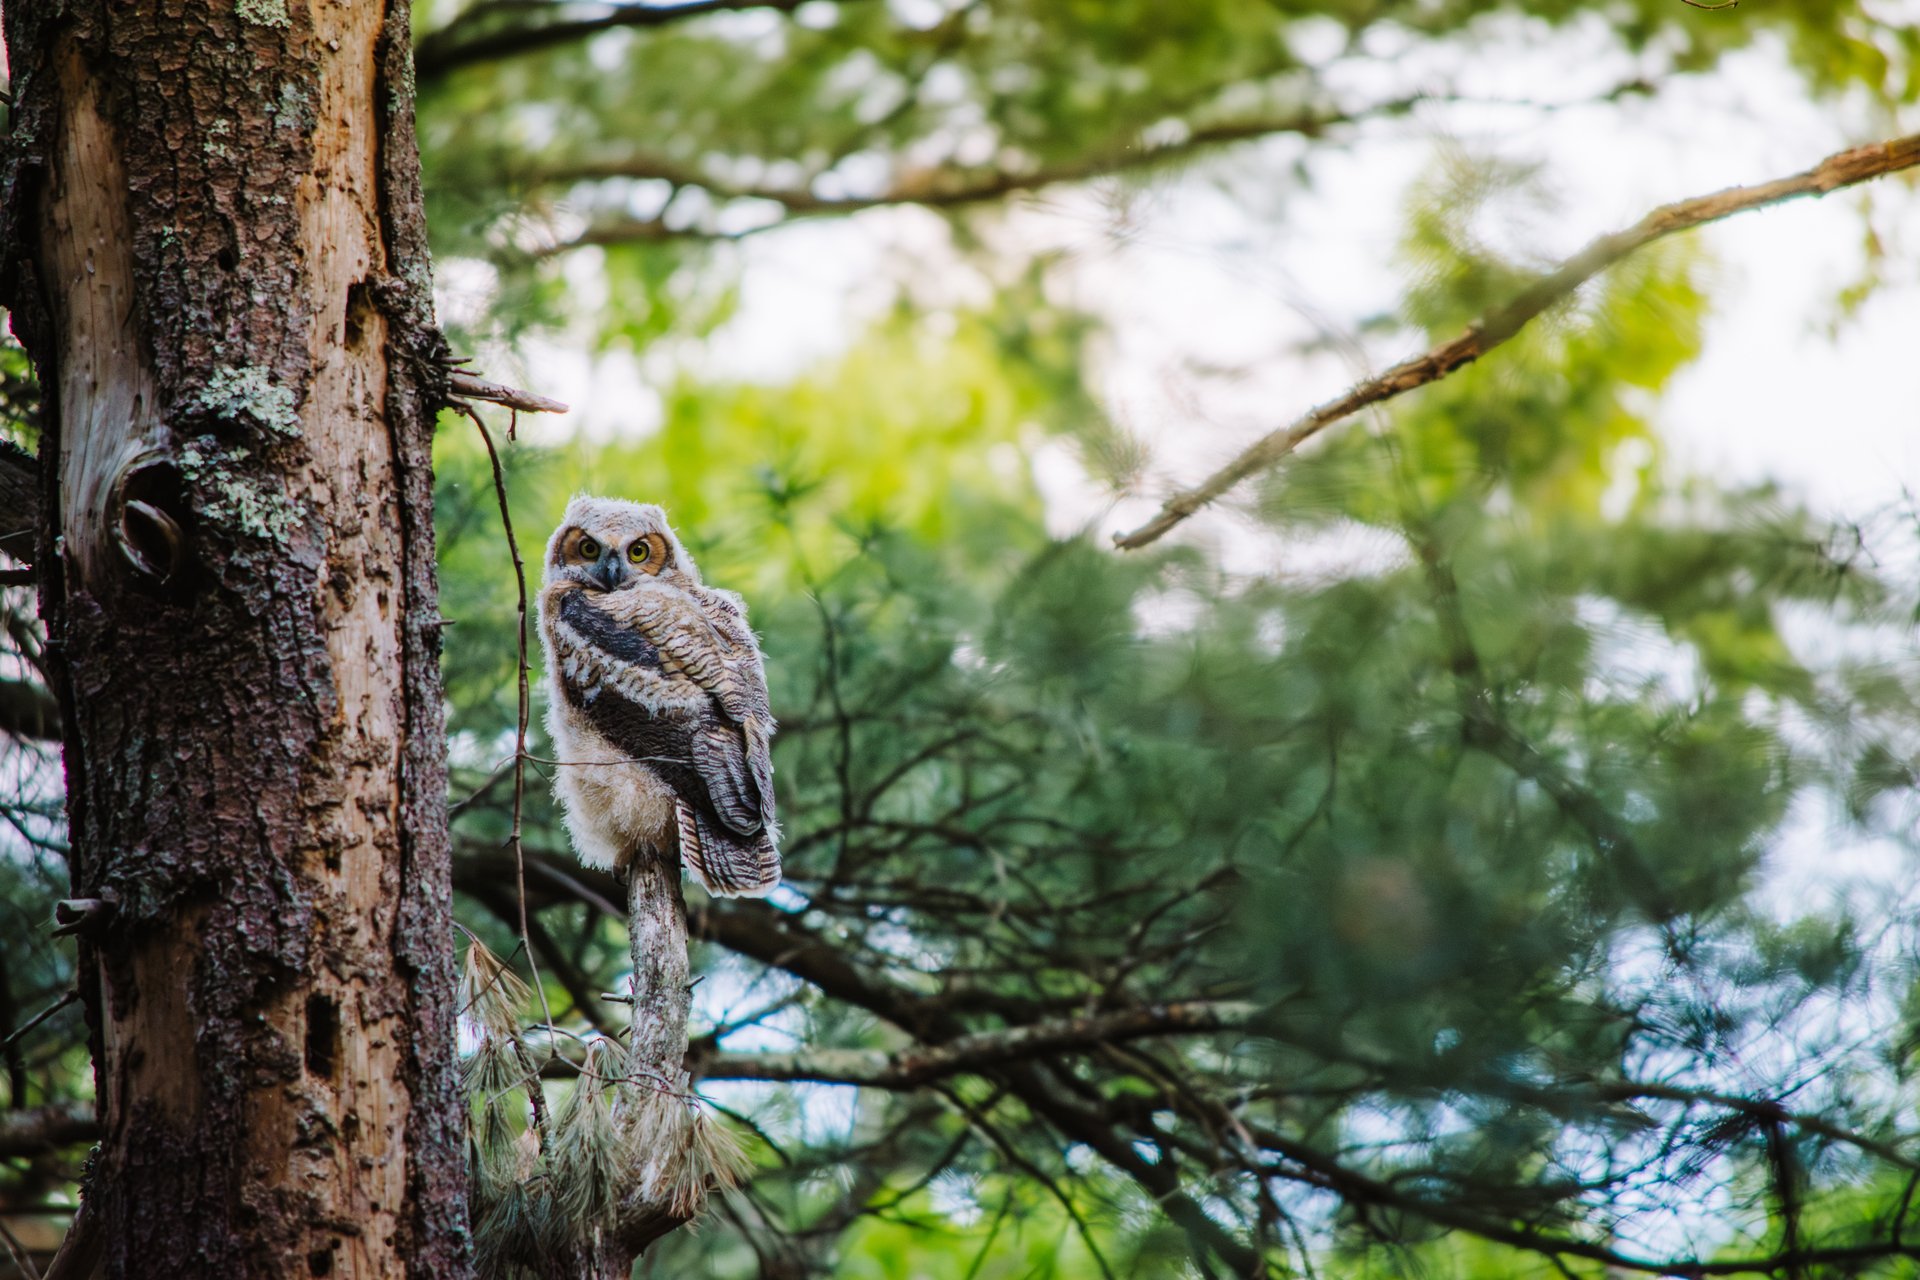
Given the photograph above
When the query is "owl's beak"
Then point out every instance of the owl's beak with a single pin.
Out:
(610, 572)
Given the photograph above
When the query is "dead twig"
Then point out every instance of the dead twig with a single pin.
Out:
(525, 706)
(1845, 169)
(468, 386)
(72, 995)
(81, 915)
(21, 1257)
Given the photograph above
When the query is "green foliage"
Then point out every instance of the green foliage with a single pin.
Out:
(1483, 846)
(659, 142)
(545, 1182)
(1477, 825)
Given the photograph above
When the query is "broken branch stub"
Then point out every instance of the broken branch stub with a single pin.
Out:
(468, 386)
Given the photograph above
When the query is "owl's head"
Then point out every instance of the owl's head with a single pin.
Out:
(605, 544)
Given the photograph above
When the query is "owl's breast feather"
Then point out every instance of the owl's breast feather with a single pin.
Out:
(602, 632)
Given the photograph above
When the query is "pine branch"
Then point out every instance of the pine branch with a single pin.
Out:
(452, 47)
(1845, 169)
(1309, 1164)
(942, 188)
(910, 1068)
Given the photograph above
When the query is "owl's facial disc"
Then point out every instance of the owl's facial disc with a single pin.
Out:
(595, 564)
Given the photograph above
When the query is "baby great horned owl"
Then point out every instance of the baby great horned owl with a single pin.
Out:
(659, 707)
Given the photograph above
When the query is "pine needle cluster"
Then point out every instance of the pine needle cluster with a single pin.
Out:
(548, 1182)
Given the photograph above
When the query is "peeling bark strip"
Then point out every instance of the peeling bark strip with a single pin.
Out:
(214, 251)
(1844, 169)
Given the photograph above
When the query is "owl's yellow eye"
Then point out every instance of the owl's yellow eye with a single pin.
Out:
(589, 549)
(639, 552)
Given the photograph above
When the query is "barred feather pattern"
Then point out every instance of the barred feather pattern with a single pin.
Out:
(659, 707)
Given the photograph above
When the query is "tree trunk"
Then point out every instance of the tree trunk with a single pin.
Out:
(214, 251)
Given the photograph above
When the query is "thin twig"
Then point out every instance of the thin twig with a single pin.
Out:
(74, 915)
(1845, 169)
(40, 1017)
(470, 386)
(21, 1257)
(525, 707)
(1008, 1151)
(480, 792)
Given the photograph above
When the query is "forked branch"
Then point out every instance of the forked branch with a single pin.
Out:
(1845, 169)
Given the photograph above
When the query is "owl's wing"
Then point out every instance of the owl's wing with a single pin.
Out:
(669, 657)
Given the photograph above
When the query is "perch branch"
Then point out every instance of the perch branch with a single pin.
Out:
(656, 1040)
(1845, 169)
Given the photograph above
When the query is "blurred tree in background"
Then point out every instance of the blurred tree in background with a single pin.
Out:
(1443, 896)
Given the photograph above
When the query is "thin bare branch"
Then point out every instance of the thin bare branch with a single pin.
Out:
(524, 710)
(1845, 169)
(934, 189)
(467, 386)
(70, 997)
(21, 1257)
(958, 188)
(946, 187)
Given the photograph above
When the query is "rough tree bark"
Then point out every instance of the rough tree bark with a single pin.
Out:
(211, 243)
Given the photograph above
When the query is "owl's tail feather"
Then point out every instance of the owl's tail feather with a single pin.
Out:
(724, 864)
